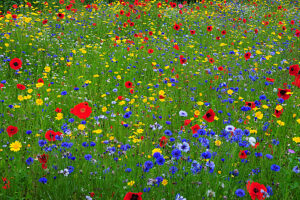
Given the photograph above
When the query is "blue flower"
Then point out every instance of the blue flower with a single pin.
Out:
(275, 168)
(29, 161)
(168, 132)
(88, 157)
(160, 160)
(43, 180)
(240, 193)
(176, 153)
(269, 156)
(206, 155)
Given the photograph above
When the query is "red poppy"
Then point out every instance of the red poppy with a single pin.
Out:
(45, 21)
(60, 15)
(6, 183)
(182, 60)
(176, 27)
(220, 68)
(43, 159)
(128, 84)
(209, 28)
(82, 110)
(211, 60)
(150, 33)
(247, 55)
(297, 81)
(50, 136)
(61, 1)
(218, 38)
(255, 190)
(223, 32)
(195, 128)
(1, 86)
(244, 20)
(163, 141)
(270, 79)
(150, 51)
(133, 196)
(21, 87)
(243, 154)
(14, 16)
(11, 130)
(187, 122)
(278, 113)
(120, 98)
(250, 104)
(209, 116)
(255, 31)
(292, 22)
(131, 91)
(29, 4)
(294, 69)
(176, 47)
(40, 80)
(15, 6)
(15, 63)
(282, 93)
(192, 32)
(58, 110)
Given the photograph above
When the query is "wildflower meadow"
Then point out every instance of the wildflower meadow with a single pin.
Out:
(149, 99)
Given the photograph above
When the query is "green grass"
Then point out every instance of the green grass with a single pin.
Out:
(89, 57)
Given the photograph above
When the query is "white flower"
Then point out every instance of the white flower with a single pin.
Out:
(182, 113)
(229, 128)
(252, 141)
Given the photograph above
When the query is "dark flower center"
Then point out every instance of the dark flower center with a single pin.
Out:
(256, 190)
(249, 104)
(134, 197)
(16, 64)
(208, 115)
(282, 92)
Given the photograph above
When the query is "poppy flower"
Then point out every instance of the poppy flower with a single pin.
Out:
(58, 110)
(282, 93)
(82, 110)
(50, 136)
(192, 32)
(211, 60)
(150, 33)
(21, 87)
(270, 79)
(247, 55)
(150, 51)
(15, 63)
(11, 130)
(278, 113)
(60, 15)
(255, 190)
(45, 21)
(223, 32)
(209, 116)
(40, 80)
(6, 183)
(250, 104)
(133, 196)
(243, 154)
(209, 28)
(182, 60)
(128, 84)
(297, 81)
(293, 70)
(255, 31)
(218, 38)
(163, 141)
(220, 68)
(195, 128)
(43, 159)
(176, 27)
(176, 47)
(14, 16)
(187, 122)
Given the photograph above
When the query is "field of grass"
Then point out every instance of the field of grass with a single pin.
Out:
(150, 100)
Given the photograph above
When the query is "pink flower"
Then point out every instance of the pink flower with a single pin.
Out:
(180, 6)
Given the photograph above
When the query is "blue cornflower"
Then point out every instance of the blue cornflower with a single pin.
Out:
(160, 160)
(29, 161)
(240, 193)
(42, 143)
(269, 156)
(168, 132)
(206, 155)
(63, 93)
(43, 180)
(176, 153)
(88, 157)
(275, 168)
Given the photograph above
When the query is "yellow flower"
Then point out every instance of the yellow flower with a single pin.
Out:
(218, 143)
(29, 91)
(47, 69)
(265, 107)
(280, 123)
(140, 130)
(230, 92)
(98, 131)
(39, 102)
(197, 112)
(59, 116)
(38, 85)
(131, 183)
(81, 127)
(156, 150)
(296, 139)
(279, 107)
(15, 146)
(298, 120)
(164, 182)
(20, 98)
(104, 109)
(259, 115)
